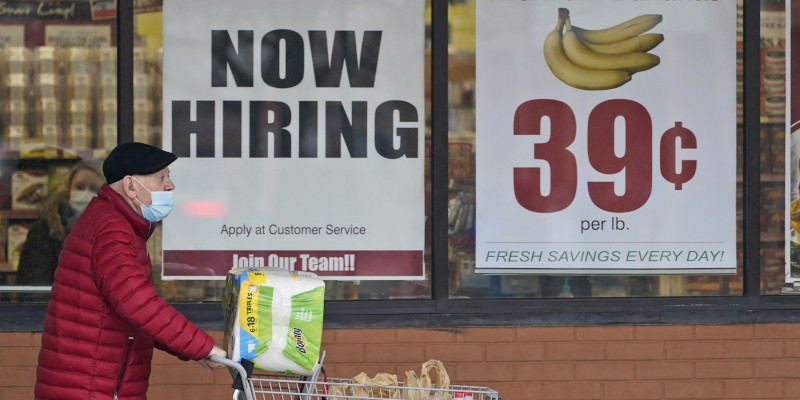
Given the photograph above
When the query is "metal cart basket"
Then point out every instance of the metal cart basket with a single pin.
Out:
(317, 386)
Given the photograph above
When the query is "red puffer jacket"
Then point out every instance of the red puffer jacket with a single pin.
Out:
(104, 315)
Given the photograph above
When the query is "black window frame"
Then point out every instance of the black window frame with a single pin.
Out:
(440, 311)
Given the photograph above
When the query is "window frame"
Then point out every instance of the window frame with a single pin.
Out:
(440, 311)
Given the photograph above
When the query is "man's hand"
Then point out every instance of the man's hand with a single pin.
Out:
(209, 365)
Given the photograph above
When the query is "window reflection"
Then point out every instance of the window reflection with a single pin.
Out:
(465, 283)
(58, 118)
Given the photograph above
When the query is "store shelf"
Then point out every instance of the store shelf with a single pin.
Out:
(19, 214)
(765, 178)
(766, 237)
(53, 153)
(772, 178)
(460, 67)
(772, 120)
(770, 237)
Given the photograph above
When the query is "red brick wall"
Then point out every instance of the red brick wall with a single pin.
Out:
(611, 362)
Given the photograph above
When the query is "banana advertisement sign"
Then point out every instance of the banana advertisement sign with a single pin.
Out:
(604, 58)
(606, 137)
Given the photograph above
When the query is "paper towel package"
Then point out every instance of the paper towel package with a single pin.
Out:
(273, 317)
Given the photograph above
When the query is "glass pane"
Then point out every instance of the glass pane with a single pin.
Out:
(58, 117)
(464, 282)
(773, 149)
(149, 34)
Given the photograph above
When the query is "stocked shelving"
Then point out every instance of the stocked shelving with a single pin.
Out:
(59, 106)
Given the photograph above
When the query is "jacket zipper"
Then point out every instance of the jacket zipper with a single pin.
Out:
(124, 367)
(151, 227)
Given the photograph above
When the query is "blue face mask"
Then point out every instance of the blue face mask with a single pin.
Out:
(160, 207)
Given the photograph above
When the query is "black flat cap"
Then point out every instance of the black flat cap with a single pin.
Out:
(135, 158)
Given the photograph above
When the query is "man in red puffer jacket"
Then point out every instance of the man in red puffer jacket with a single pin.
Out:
(104, 315)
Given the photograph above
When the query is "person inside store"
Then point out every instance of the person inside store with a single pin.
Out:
(59, 211)
(794, 242)
(794, 211)
(105, 317)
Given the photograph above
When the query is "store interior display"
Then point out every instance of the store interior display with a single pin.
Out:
(66, 98)
(59, 105)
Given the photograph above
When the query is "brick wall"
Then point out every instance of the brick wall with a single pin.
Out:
(611, 362)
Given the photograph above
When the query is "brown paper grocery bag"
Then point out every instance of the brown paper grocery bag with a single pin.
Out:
(338, 390)
(375, 387)
(413, 383)
(442, 378)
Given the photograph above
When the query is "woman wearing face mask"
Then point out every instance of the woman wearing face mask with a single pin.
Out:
(58, 213)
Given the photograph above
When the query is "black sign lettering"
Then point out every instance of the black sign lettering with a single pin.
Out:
(224, 54)
(385, 130)
(271, 62)
(328, 72)
(354, 133)
(261, 128)
(183, 126)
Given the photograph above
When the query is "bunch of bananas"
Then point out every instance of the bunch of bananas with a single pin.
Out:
(604, 58)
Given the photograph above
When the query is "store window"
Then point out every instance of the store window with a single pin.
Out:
(150, 31)
(465, 283)
(59, 111)
(779, 150)
(59, 118)
(147, 118)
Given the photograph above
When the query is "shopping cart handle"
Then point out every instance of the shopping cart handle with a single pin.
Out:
(224, 361)
(241, 373)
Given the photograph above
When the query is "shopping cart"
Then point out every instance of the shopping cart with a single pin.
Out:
(318, 386)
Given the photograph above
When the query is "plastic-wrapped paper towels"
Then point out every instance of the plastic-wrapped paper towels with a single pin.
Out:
(273, 317)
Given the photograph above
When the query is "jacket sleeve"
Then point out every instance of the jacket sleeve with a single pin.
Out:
(163, 348)
(123, 282)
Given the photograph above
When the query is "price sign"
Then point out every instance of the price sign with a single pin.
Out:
(635, 163)
(584, 171)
